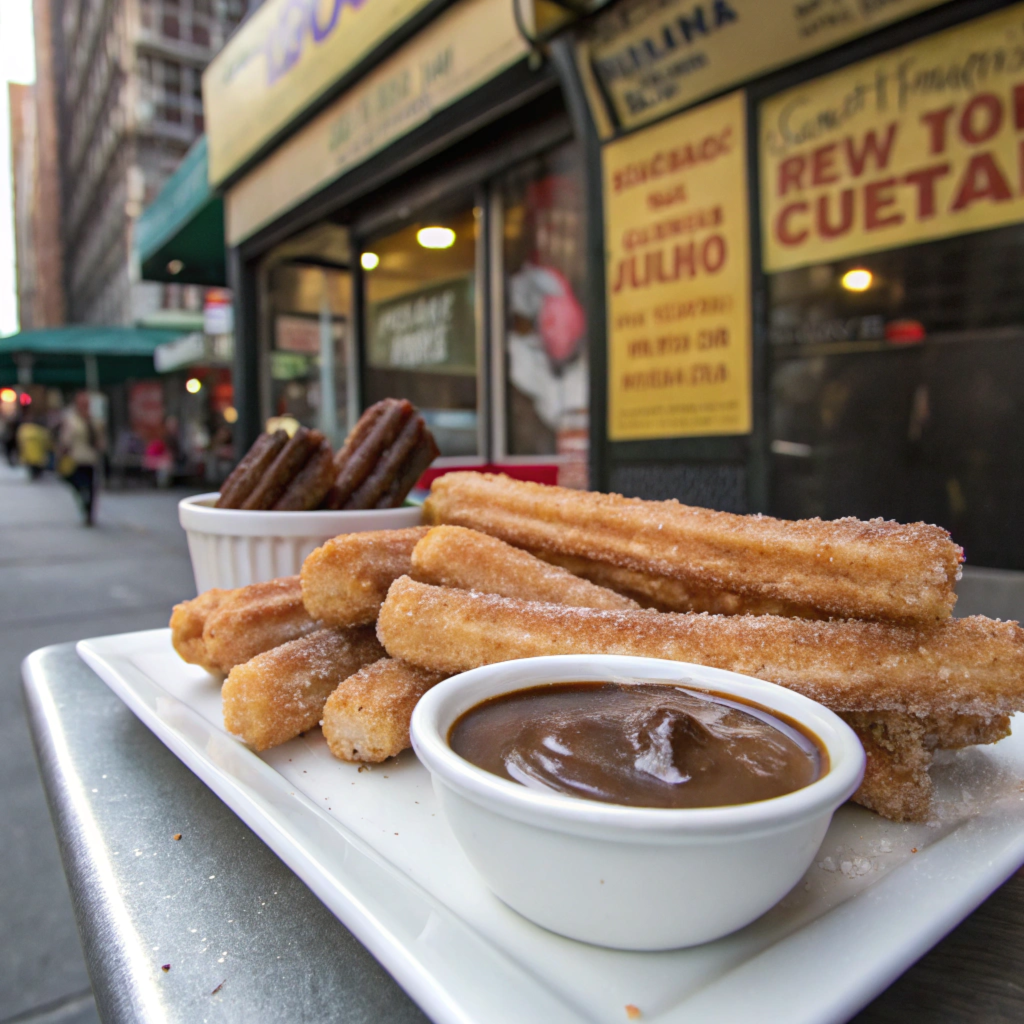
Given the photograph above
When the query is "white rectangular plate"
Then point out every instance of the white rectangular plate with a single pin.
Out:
(373, 846)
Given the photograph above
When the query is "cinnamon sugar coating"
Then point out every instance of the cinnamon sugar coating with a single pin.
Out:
(452, 556)
(367, 717)
(188, 619)
(253, 619)
(345, 580)
(849, 568)
(281, 692)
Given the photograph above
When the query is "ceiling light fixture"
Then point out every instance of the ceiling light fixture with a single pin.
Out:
(369, 261)
(192, 385)
(858, 280)
(175, 267)
(436, 238)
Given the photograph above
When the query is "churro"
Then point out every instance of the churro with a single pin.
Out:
(188, 619)
(291, 459)
(247, 474)
(670, 595)
(345, 580)
(367, 717)
(253, 619)
(873, 570)
(382, 458)
(308, 487)
(279, 694)
(452, 556)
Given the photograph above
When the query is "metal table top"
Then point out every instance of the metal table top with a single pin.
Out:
(245, 940)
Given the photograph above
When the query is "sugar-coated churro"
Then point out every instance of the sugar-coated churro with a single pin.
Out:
(964, 666)
(670, 595)
(367, 716)
(252, 619)
(452, 556)
(874, 570)
(281, 693)
(345, 580)
(188, 619)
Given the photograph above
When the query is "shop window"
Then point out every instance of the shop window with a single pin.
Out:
(546, 394)
(898, 391)
(309, 307)
(421, 323)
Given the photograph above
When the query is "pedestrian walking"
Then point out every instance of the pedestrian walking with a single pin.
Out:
(79, 447)
(34, 443)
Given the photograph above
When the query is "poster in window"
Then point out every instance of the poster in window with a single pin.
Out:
(678, 276)
(430, 330)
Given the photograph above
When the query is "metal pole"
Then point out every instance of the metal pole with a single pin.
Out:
(92, 373)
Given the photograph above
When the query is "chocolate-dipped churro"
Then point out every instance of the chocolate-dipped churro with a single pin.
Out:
(293, 456)
(309, 486)
(247, 474)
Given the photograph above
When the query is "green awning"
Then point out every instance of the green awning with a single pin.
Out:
(59, 354)
(87, 340)
(183, 228)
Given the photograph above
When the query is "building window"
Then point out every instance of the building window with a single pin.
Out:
(421, 336)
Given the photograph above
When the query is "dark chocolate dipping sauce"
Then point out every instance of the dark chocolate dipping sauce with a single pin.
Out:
(638, 744)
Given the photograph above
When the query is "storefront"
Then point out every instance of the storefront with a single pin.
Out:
(757, 256)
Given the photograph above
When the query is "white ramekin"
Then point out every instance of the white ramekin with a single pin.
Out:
(233, 548)
(628, 877)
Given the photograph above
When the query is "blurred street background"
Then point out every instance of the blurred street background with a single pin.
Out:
(58, 583)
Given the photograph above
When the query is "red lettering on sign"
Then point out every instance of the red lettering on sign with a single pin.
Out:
(980, 129)
(925, 180)
(982, 180)
(823, 169)
(783, 232)
(935, 121)
(877, 196)
(879, 150)
(791, 171)
(829, 230)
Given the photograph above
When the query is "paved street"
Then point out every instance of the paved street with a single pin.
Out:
(59, 582)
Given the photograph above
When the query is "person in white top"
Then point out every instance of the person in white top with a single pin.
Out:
(80, 444)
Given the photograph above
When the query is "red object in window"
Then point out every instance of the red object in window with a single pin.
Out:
(561, 320)
(904, 332)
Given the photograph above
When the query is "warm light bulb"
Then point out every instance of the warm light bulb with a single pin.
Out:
(175, 267)
(230, 414)
(192, 385)
(436, 238)
(857, 280)
(8, 395)
(369, 261)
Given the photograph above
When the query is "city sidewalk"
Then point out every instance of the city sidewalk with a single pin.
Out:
(58, 582)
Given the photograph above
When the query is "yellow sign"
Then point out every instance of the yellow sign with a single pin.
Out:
(280, 61)
(678, 276)
(467, 45)
(923, 142)
(652, 57)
